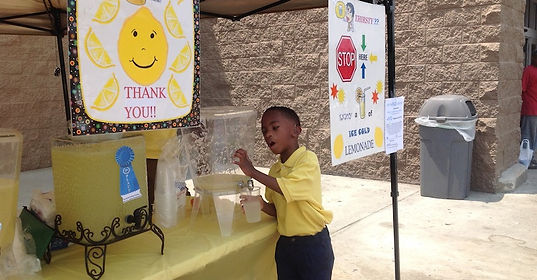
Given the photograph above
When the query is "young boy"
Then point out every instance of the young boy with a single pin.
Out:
(304, 249)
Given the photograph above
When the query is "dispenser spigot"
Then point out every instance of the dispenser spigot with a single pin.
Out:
(250, 185)
(136, 218)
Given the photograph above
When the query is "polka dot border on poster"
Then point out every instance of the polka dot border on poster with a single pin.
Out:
(82, 124)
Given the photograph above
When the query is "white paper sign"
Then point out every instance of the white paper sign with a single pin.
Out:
(394, 124)
(356, 70)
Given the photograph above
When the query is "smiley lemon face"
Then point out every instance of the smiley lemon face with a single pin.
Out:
(142, 47)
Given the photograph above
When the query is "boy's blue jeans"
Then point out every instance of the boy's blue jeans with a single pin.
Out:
(305, 257)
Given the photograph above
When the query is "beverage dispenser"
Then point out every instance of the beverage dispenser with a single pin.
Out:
(98, 178)
(10, 164)
(217, 180)
(223, 130)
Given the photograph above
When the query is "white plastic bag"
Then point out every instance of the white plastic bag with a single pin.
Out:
(170, 187)
(18, 259)
(465, 128)
(526, 154)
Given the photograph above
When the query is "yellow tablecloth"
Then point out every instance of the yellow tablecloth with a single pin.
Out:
(193, 250)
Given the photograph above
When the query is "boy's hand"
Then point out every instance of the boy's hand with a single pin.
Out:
(242, 160)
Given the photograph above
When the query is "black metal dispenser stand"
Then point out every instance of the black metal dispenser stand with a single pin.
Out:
(95, 246)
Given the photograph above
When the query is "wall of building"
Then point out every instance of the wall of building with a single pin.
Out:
(31, 97)
(473, 48)
(470, 47)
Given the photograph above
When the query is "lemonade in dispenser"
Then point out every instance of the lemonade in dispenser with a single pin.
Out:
(10, 164)
(98, 178)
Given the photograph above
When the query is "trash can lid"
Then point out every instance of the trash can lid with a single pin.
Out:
(448, 107)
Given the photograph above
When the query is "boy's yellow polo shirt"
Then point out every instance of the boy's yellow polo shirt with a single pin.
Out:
(299, 210)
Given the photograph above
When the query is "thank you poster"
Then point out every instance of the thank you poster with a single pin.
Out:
(134, 64)
(356, 79)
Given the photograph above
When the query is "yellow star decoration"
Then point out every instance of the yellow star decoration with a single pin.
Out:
(341, 96)
(380, 87)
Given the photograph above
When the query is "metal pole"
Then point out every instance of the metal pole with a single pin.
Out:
(390, 10)
(58, 32)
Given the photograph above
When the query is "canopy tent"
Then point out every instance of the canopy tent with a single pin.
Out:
(238, 9)
(47, 17)
(36, 17)
(31, 17)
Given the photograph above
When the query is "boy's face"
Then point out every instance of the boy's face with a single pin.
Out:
(280, 132)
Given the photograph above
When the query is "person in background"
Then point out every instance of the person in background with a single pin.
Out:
(528, 118)
(293, 193)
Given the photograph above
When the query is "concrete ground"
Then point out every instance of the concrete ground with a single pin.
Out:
(485, 236)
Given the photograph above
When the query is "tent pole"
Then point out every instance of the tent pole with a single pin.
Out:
(58, 32)
(390, 10)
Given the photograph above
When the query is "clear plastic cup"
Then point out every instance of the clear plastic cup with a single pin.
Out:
(251, 205)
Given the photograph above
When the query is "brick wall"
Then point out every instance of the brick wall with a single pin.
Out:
(468, 47)
(31, 97)
(280, 59)
(472, 48)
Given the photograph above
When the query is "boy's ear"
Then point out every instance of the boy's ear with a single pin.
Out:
(297, 130)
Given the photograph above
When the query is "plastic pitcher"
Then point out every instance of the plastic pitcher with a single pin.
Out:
(10, 165)
(224, 204)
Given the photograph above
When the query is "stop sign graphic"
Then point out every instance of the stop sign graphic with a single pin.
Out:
(345, 58)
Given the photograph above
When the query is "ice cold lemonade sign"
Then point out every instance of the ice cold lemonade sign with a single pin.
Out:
(134, 64)
(356, 79)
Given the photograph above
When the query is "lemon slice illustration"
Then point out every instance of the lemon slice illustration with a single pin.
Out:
(182, 61)
(108, 95)
(379, 137)
(107, 11)
(136, 2)
(96, 52)
(176, 94)
(172, 22)
(338, 146)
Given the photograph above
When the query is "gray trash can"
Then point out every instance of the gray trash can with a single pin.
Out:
(447, 131)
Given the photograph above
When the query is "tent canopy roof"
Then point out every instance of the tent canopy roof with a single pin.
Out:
(237, 9)
(31, 16)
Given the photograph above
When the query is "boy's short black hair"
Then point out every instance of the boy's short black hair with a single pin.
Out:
(288, 112)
